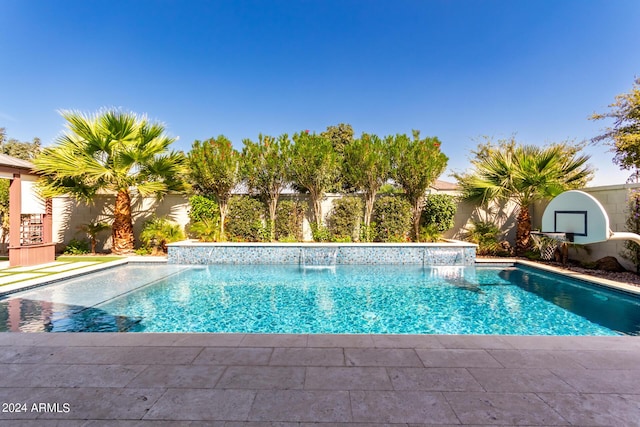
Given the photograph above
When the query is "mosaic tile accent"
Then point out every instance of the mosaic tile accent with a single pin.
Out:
(322, 254)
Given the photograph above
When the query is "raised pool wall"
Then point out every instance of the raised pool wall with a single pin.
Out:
(426, 254)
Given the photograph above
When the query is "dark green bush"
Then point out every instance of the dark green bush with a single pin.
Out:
(204, 216)
(320, 234)
(289, 219)
(202, 208)
(245, 219)
(344, 219)
(77, 247)
(392, 216)
(430, 233)
(438, 212)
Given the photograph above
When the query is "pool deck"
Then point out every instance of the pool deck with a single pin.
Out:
(96, 379)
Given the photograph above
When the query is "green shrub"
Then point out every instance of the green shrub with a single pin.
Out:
(368, 234)
(631, 249)
(289, 219)
(245, 220)
(320, 233)
(438, 212)
(157, 232)
(205, 230)
(430, 233)
(142, 251)
(392, 216)
(344, 219)
(204, 216)
(77, 247)
(202, 208)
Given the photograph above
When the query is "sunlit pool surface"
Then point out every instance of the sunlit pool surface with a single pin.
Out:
(343, 299)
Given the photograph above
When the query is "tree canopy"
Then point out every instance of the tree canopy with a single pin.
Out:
(19, 149)
(315, 166)
(416, 164)
(624, 134)
(215, 171)
(366, 167)
(266, 170)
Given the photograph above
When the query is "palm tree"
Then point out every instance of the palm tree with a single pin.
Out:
(92, 229)
(524, 175)
(116, 152)
(157, 232)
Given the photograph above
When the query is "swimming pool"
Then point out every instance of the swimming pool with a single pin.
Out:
(345, 299)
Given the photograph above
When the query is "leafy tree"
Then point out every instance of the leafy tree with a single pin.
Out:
(523, 174)
(315, 166)
(624, 135)
(21, 150)
(265, 169)
(111, 151)
(416, 164)
(340, 136)
(215, 171)
(367, 167)
(631, 249)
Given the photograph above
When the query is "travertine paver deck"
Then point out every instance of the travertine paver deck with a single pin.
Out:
(84, 379)
(10, 278)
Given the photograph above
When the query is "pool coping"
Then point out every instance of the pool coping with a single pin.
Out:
(598, 281)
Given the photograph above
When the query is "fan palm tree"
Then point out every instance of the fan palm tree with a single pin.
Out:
(92, 229)
(111, 151)
(524, 175)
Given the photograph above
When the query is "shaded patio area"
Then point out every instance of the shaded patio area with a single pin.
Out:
(236, 379)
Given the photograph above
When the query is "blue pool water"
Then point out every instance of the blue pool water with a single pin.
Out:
(346, 299)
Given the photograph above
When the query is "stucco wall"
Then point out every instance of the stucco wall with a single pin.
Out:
(69, 214)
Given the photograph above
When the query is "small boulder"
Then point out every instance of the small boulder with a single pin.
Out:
(609, 263)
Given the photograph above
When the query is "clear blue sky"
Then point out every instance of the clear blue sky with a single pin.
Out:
(453, 69)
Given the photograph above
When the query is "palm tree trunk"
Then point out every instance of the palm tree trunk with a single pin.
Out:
(523, 232)
(122, 230)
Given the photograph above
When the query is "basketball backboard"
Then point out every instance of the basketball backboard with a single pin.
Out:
(579, 215)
